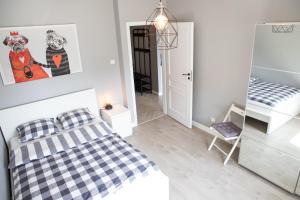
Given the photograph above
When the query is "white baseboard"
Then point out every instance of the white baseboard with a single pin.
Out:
(154, 92)
(202, 127)
(157, 93)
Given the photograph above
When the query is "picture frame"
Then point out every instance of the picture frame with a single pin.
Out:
(37, 52)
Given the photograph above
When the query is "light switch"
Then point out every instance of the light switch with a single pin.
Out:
(112, 62)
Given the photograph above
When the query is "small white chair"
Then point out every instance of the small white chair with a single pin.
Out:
(227, 131)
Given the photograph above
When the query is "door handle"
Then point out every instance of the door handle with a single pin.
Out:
(189, 75)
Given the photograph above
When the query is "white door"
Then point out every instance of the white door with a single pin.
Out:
(180, 76)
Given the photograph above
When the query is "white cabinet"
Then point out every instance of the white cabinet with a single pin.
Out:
(273, 156)
(119, 118)
(276, 166)
(298, 187)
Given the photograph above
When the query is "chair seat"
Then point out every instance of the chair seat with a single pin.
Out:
(227, 129)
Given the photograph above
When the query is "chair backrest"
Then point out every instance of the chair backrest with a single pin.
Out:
(235, 109)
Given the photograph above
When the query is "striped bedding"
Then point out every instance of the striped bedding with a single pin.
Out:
(56, 143)
(86, 163)
(270, 94)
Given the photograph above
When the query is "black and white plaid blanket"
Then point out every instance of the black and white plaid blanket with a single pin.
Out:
(88, 171)
(270, 94)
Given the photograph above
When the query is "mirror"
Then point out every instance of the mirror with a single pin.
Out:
(271, 137)
(274, 85)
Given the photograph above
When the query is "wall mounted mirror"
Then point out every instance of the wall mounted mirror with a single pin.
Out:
(271, 138)
(274, 85)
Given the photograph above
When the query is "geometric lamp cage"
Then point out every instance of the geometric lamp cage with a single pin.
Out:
(166, 27)
(283, 28)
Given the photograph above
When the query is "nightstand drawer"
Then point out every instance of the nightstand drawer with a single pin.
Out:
(119, 118)
(113, 120)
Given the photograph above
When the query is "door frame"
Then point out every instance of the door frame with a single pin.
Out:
(131, 88)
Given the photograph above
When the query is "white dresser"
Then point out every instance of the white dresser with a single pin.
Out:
(298, 187)
(119, 118)
(273, 157)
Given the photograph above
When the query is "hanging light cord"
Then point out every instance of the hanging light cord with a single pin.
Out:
(161, 7)
(160, 4)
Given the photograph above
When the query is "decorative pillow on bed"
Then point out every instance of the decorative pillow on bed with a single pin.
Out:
(36, 129)
(75, 118)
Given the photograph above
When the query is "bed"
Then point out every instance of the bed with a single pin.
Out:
(272, 103)
(87, 162)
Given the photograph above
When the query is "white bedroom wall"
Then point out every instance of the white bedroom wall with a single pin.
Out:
(224, 34)
(97, 40)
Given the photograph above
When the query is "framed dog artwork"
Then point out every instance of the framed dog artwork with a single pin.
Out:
(38, 52)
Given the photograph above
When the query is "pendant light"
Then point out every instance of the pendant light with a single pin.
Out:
(166, 27)
(283, 28)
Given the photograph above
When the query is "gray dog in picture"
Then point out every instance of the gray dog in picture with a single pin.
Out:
(56, 55)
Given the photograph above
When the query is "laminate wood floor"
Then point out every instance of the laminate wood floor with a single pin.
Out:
(195, 173)
(148, 107)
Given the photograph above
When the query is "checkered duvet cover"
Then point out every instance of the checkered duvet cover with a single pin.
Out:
(88, 163)
(270, 94)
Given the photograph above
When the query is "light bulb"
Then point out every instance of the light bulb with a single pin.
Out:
(160, 22)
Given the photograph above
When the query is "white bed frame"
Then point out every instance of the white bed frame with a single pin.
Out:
(10, 118)
(154, 186)
(275, 118)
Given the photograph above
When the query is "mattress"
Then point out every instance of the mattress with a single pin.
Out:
(270, 94)
(87, 163)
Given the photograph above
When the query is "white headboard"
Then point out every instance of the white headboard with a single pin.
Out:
(10, 118)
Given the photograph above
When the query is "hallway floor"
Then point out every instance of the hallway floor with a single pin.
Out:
(148, 107)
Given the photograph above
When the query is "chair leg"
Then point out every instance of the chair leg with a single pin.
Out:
(212, 143)
(231, 151)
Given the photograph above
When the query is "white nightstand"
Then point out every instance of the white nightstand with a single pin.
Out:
(119, 118)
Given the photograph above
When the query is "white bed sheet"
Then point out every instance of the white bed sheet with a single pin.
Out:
(289, 107)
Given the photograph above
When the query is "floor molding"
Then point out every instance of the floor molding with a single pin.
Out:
(202, 127)
(154, 92)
